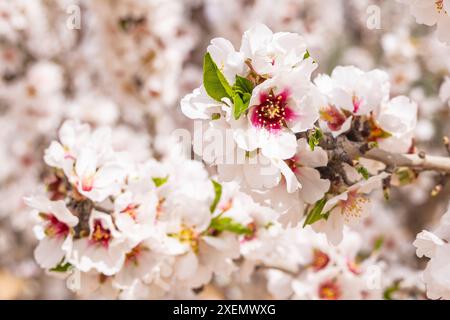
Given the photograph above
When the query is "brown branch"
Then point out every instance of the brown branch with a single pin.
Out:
(393, 160)
(424, 162)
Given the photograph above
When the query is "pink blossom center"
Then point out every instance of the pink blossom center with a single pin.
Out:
(273, 112)
(320, 260)
(293, 163)
(100, 235)
(54, 227)
(87, 183)
(329, 290)
(333, 117)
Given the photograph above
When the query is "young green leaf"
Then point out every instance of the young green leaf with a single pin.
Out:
(158, 181)
(227, 224)
(240, 103)
(218, 193)
(242, 92)
(316, 213)
(215, 83)
(364, 172)
(314, 138)
(378, 243)
(306, 55)
(243, 84)
(61, 267)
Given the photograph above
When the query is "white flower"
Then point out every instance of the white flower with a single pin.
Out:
(72, 136)
(436, 274)
(198, 105)
(135, 215)
(94, 179)
(230, 62)
(272, 53)
(398, 117)
(349, 91)
(104, 249)
(347, 208)
(277, 110)
(55, 233)
(434, 245)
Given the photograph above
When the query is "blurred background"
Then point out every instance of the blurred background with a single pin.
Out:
(127, 63)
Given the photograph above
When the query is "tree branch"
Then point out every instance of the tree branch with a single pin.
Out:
(425, 162)
(418, 161)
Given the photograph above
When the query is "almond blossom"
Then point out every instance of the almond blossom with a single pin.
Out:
(434, 245)
(55, 233)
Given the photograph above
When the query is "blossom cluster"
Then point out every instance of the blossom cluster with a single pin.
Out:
(277, 117)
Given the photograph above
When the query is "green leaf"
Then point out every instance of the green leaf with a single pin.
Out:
(61, 267)
(227, 224)
(240, 104)
(243, 84)
(387, 295)
(306, 55)
(363, 171)
(158, 181)
(218, 193)
(314, 138)
(215, 83)
(378, 243)
(242, 93)
(215, 116)
(316, 213)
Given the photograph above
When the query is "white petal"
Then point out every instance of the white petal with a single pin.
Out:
(426, 244)
(313, 187)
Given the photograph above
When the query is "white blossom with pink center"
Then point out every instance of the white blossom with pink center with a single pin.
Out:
(55, 231)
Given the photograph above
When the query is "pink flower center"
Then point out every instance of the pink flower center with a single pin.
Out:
(320, 260)
(87, 183)
(293, 163)
(100, 235)
(329, 290)
(273, 112)
(54, 227)
(333, 117)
